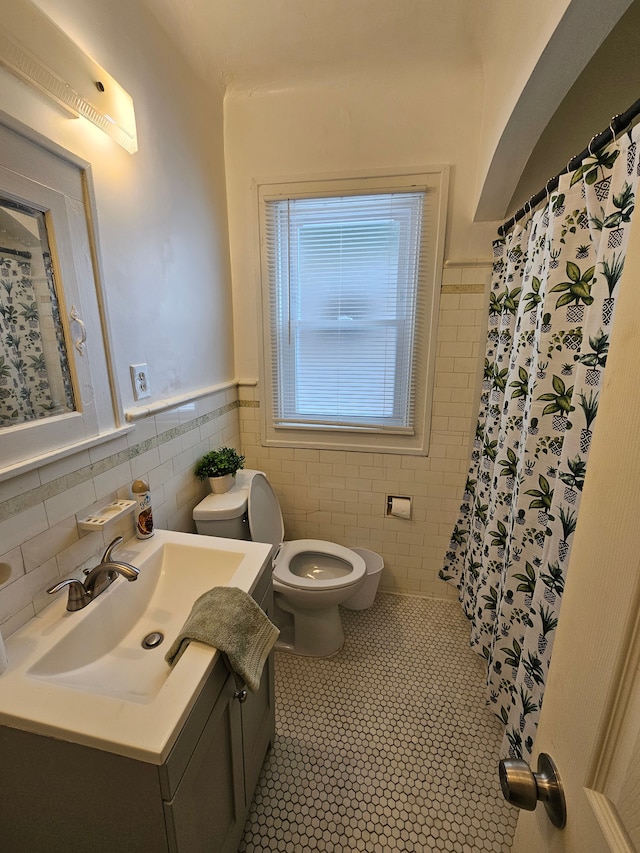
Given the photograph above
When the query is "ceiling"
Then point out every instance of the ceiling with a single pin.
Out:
(251, 44)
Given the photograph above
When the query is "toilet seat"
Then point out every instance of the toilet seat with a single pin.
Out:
(336, 567)
(293, 565)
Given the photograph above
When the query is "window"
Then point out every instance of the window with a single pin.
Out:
(349, 292)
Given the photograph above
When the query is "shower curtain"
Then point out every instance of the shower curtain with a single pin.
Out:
(552, 301)
(27, 389)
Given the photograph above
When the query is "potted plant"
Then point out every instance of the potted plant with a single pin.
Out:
(219, 467)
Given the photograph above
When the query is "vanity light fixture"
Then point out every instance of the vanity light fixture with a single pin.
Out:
(36, 50)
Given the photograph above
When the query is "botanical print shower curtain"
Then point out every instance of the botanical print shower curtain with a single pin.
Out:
(27, 389)
(555, 280)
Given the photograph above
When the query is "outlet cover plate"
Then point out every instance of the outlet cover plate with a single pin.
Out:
(140, 381)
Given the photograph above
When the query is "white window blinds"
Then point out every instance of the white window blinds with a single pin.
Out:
(347, 309)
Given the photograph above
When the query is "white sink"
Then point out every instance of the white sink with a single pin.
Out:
(103, 652)
(85, 675)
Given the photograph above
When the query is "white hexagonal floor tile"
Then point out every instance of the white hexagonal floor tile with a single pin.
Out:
(387, 745)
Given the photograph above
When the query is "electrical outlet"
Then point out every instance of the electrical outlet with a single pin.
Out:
(140, 381)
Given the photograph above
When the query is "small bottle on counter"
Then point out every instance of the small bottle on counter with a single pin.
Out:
(143, 513)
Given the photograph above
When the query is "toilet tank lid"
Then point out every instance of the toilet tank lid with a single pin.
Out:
(221, 507)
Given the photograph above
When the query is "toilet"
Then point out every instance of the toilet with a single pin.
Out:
(311, 577)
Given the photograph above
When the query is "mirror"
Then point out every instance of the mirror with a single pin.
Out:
(35, 379)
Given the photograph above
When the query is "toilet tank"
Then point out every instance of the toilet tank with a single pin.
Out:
(225, 515)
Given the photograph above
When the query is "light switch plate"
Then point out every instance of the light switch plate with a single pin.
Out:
(140, 381)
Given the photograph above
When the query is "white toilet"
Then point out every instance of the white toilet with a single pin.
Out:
(311, 577)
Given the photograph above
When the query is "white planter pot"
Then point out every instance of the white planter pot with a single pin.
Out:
(220, 485)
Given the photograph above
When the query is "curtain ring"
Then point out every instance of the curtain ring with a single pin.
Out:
(547, 186)
(613, 133)
(591, 141)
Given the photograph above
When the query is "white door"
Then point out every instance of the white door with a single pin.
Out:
(590, 721)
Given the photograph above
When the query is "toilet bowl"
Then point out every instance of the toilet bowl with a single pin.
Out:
(311, 577)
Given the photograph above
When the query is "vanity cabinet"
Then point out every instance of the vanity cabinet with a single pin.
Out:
(60, 796)
(207, 809)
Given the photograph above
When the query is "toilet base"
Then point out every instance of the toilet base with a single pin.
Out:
(314, 633)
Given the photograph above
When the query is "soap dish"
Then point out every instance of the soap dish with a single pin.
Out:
(106, 515)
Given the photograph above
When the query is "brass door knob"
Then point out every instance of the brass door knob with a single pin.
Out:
(523, 788)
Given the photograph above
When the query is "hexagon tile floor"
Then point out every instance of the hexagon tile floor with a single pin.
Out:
(387, 745)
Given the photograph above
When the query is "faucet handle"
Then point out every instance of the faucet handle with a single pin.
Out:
(77, 593)
(106, 557)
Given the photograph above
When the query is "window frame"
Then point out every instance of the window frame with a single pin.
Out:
(433, 180)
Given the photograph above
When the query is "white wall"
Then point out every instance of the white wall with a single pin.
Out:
(531, 55)
(345, 125)
(511, 37)
(162, 211)
(161, 216)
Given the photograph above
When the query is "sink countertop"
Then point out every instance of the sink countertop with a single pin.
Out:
(142, 729)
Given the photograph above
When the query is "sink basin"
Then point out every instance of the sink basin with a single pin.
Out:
(103, 652)
(86, 676)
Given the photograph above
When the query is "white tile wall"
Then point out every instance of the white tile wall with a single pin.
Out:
(341, 496)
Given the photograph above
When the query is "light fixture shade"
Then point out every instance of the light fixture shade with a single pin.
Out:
(34, 48)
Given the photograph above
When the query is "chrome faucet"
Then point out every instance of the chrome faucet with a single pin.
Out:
(98, 579)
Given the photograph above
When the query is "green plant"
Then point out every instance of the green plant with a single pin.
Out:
(532, 665)
(495, 304)
(528, 584)
(509, 465)
(500, 536)
(599, 161)
(511, 299)
(589, 406)
(548, 620)
(490, 449)
(30, 311)
(521, 384)
(577, 289)
(533, 298)
(217, 463)
(543, 497)
(500, 378)
(560, 402)
(512, 655)
(599, 344)
(612, 271)
(555, 579)
(576, 474)
(568, 520)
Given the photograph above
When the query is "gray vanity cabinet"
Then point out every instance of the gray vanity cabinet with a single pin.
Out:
(207, 811)
(60, 796)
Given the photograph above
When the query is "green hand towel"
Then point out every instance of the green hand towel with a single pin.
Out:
(230, 620)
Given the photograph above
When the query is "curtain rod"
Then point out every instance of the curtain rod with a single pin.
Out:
(18, 252)
(617, 124)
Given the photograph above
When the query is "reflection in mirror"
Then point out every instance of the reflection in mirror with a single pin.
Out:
(35, 381)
